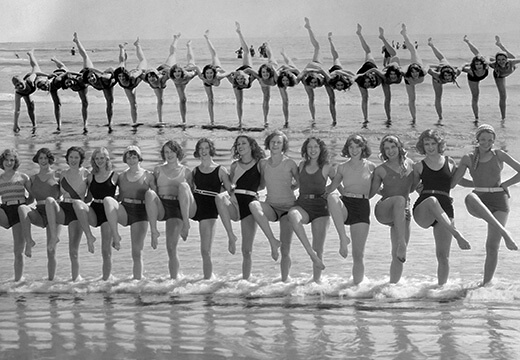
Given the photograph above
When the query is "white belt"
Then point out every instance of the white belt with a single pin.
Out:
(356, 196)
(245, 192)
(489, 189)
(205, 192)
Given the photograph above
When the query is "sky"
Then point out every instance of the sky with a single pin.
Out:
(56, 20)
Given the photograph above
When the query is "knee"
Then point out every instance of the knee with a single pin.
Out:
(205, 253)
(255, 207)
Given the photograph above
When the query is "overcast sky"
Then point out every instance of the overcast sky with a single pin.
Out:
(56, 20)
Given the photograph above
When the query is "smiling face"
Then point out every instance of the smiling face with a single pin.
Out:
(92, 78)
(501, 60)
(9, 162)
(101, 160)
(313, 149)
(391, 150)
(243, 147)
(486, 140)
(209, 74)
(177, 73)
(204, 150)
(355, 150)
(285, 81)
(431, 147)
(169, 154)
(74, 159)
(43, 160)
(276, 144)
(265, 73)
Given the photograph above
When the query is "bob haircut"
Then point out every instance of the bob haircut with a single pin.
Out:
(501, 53)
(347, 82)
(394, 140)
(481, 59)
(173, 146)
(323, 158)
(209, 67)
(268, 68)
(47, 152)
(212, 150)
(175, 67)
(286, 74)
(360, 80)
(132, 149)
(123, 72)
(447, 69)
(79, 150)
(95, 167)
(269, 137)
(361, 142)
(414, 66)
(5, 154)
(310, 76)
(256, 151)
(394, 69)
(17, 79)
(436, 136)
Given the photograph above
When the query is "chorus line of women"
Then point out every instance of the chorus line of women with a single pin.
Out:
(82, 199)
(268, 75)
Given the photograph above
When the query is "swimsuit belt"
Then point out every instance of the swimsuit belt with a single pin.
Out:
(14, 202)
(489, 189)
(356, 196)
(312, 196)
(133, 201)
(169, 197)
(245, 192)
(205, 192)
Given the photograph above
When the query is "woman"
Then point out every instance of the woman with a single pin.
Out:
(206, 182)
(441, 74)
(503, 66)
(434, 206)
(280, 175)
(210, 77)
(102, 183)
(168, 189)
(489, 200)
(44, 184)
(99, 80)
(13, 185)
(393, 209)
(242, 77)
(311, 205)
(477, 71)
(352, 207)
(24, 87)
(414, 74)
(287, 77)
(71, 210)
(157, 78)
(131, 211)
(245, 182)
(129, 79)
(370, 77)
(182, 76)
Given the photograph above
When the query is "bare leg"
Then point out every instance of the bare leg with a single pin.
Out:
(388, 47)
(143, 64)
(246, 59)
(189, 54)
(472, 47)
(364, 45)
(215, 61)
(436, 52)
(339, 214)
(87, 63)
(316, 57)
(498, 43)
(227, 211)
(172, 58)
(263, 213)
(297, 218)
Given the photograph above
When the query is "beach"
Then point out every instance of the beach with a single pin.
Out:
(227, 317)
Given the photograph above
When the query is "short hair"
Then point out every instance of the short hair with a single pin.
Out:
(16, 79)
(173, 146)
(395, 140)
(209, 67)
(132, 149)
(448, 69)
(310, 76)
(269, 137)
(436, 136)
(478, 58)
(122, 71)
(268, 68)
(212, 150)
(501, 53)
(360, 80)
(414, 66)
(359, 140)
(108, 164)
(393, 69)
(323, 158)
(79, 150)
(175, 67)
(5, 154)
(256, 151)
(289, 75)
(47, 152)
(346, 80)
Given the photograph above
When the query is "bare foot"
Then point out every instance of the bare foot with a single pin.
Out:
(16, 128)
(510, 243)
(206, 34)
(90, 243)
(122, 46)
(403, 29)
(51, 246)
(463, 243)
(381, 33)
(358, 30)
(430, 42)
(343, 245)
(497, 41)
(275, 245)
(116, 242)
(28, 247)
(465, 39)
(318, 263)
(237, 25)
(176, 36)
(155, 237)
(232, 247)
(329, 36)
(401, 252)
(137, 42)
(75, 37)
(185, 231)
(307, 23)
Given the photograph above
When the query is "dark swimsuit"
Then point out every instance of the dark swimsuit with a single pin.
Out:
(41, 190)
(29, 87)
(249, 180)
(206, 207)
(100, 191)
(68, 209)
(437, 180)
(134, 191)
(475, 78)
(312, 188)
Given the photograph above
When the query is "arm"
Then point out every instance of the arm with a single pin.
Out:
(377, 180)
(295, 174)
(505, 157)
(224, 177)
(336, 180)
(458, 176)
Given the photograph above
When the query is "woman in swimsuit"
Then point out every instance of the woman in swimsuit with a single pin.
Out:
(13, 185)
(287, 77)
(441, 74)
(414, 74)
(311, 205)
(168, 190)
(102, 183)
(44, 184)
(99, 80)
(489, 200)
(242, 77)
(157, 78)
(24, 87)
(129, 79)
(246, 181)
(503, 66)
(71, 210)
(280, 175)
(206, 181)
(211, 75)
(393, 209)
(181, 76)
(434, 206)
(352, 207)
(477, 71)
(131, 211)
(370, 77)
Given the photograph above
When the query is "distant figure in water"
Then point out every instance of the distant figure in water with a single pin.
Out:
(239, 52)
(73, 51)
